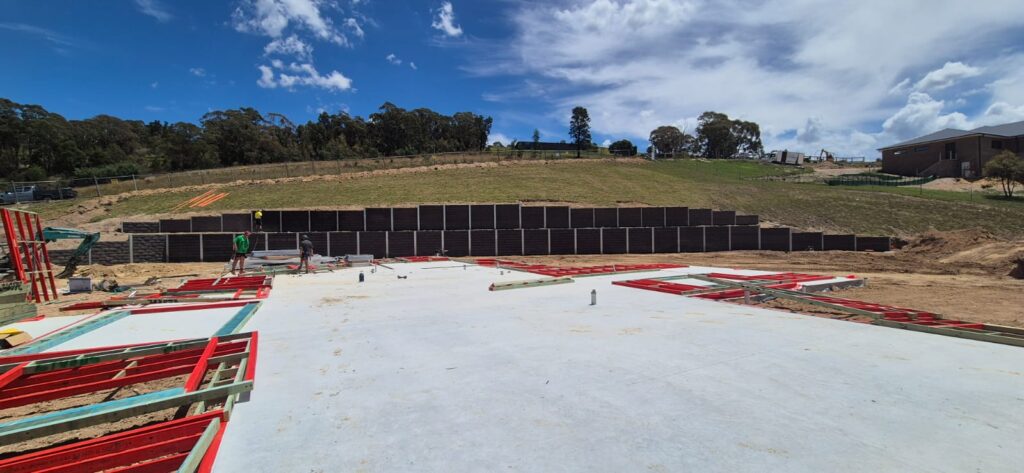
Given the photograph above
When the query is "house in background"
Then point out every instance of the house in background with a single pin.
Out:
(951, 152)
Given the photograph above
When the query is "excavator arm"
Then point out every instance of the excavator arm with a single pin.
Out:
(88, 241)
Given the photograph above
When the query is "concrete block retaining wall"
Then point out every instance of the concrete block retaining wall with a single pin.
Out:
(466, 230)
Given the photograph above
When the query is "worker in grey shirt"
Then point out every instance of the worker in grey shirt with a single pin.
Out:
(305, 253)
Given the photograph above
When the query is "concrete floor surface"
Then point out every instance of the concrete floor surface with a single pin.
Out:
(436, 373)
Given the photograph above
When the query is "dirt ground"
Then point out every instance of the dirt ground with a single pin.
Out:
(963, 185)
(135, 275)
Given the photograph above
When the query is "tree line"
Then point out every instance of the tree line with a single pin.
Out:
(36, 143)
(716, 137)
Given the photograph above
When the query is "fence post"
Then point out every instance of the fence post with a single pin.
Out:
(14, 190)
(135, 183)
(286, 172)
(96, 182)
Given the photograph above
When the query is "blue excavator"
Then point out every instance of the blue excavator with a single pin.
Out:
(89, 239)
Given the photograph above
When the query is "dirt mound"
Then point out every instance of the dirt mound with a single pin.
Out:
(966, 249)
(941, 244)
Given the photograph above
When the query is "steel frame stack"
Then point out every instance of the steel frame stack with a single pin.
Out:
(187, 443)
(29, 257)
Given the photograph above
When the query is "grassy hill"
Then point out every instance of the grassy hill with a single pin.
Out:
(717, 184)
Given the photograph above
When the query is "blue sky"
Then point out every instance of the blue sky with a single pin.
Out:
(849, 77)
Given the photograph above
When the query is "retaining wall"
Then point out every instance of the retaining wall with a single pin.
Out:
(216, 247)
(466, 230)
(448, 217)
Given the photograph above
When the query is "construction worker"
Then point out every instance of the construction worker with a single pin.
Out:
(257, 219)
(305, 253)
(240, 248)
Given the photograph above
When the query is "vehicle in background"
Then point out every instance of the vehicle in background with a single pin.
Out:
(19, 194)
(786, 157)
(54, 193)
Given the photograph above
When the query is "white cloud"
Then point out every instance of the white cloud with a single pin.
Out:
(291, 45)
(153, 108)
(946, 76)
(154, 9)
(922, 114)
(901, 88)
(444, 21)
(500, 137)
(1002, 112)
(154, 85)
(638, 64)
(197, 71)
(606, 143)
(394, 60)
(272, 17)
(413, 65)
(293, 75)
(266, 78)
(354, 27)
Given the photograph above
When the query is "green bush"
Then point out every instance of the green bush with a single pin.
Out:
(118, 169)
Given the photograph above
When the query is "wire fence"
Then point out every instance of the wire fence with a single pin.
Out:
(872, 179)
(22, 192)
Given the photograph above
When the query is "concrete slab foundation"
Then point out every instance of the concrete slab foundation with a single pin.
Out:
(433, 372)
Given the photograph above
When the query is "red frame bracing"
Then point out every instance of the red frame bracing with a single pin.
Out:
(225, 284)
(900, 314)
(28, 254)
(160, 447)
(20, 389)
(785, 281)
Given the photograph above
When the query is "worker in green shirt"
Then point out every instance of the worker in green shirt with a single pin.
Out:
(240, 248)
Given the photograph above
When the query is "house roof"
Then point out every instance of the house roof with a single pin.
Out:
(1006, 130)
